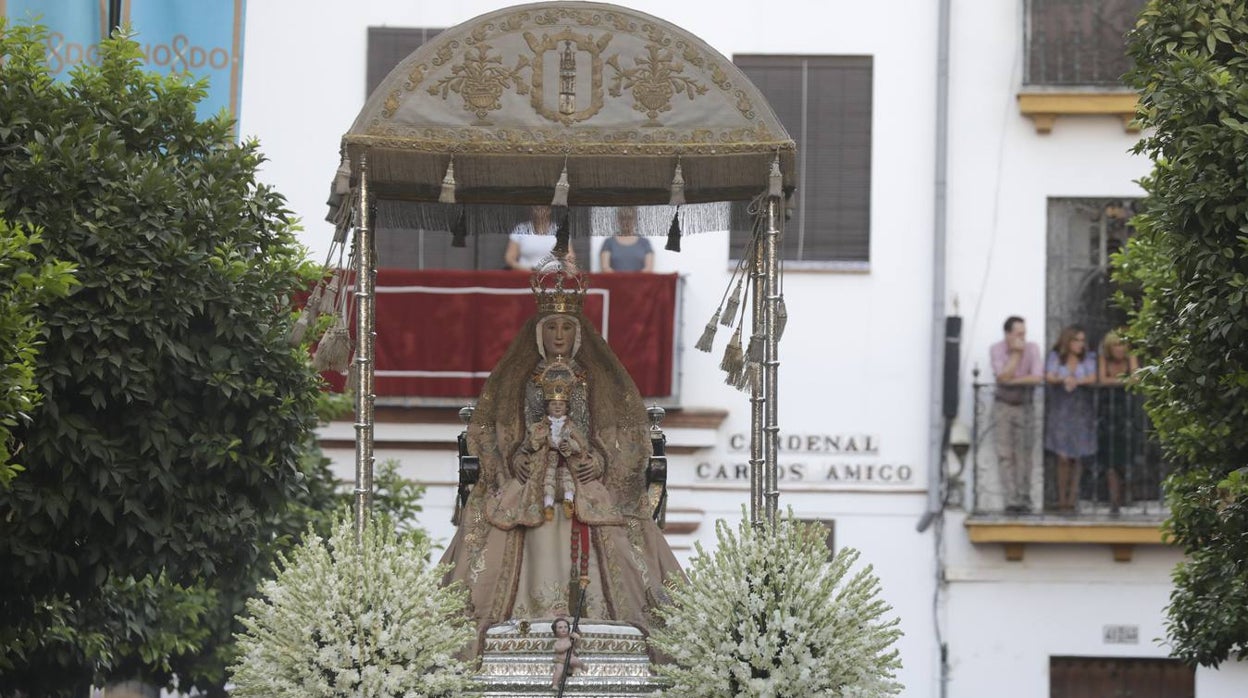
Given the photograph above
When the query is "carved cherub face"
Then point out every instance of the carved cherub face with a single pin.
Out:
(560, 627)
(557, 408)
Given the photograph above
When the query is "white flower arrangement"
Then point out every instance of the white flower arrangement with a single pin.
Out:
(768, 615)
(367, 620)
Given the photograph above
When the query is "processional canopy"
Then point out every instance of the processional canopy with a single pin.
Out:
(609, 105)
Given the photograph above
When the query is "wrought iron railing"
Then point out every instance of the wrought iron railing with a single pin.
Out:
(1078, 42)
(1013, 471)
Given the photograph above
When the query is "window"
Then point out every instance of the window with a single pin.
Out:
(387, 46)
(1083, 236)
(825, 104)
(1078, 42)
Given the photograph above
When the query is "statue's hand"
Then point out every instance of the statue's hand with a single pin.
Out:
(521, 468)
(586, 470)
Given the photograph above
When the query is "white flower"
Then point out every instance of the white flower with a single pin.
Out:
(768, 615)
(367, 620)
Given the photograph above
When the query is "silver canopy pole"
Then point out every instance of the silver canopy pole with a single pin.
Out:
(365, 350)
(771, 361)
(757, 398)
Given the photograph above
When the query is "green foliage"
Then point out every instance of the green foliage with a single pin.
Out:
(25, 281)
(1189, 259)
(172, 454)
(356, 620)
(769, 615)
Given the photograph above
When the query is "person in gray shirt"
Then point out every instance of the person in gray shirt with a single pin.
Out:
(626, 251)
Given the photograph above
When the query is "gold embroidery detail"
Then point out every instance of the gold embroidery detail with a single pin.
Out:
(586, 141)
(445, 52)
(414, 77)
(690, 52)
(480, 79)
(391, 105)
(654, 81)
(546, 43)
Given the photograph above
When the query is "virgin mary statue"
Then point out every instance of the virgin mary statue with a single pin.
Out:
(517, 561)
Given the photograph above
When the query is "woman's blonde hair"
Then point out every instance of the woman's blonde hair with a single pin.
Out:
(1111, 339)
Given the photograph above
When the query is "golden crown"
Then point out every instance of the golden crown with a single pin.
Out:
(556, 380)
(558, 286)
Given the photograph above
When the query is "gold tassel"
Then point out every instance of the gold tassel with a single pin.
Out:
(448, 184)
(753, 369)
(755, 352)
(300, 329)
(734, 304)
(775, 180)
(334, 351)
(782, 317)
(750, 376)
(561, 188)
(708, 334)
(678, 188)
(673, 233)
(340, 187)
(329, 301)
(733, 359)
(342, 178)
(307, 316)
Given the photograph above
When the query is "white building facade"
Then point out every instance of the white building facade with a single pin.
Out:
(857, 387)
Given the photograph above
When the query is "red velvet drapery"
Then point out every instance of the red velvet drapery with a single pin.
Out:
(440, 332)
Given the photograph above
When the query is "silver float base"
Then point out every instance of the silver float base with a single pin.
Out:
(518, 660)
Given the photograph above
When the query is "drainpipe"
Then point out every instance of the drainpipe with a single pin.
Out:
(937, 421)
(938, 424)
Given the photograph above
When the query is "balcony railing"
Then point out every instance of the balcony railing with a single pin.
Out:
(1078, 43)
(1119, 480)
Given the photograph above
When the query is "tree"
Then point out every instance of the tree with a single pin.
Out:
(769, 615)
(25, 282)
(172, 455)
(1189, 260)
(356, 620)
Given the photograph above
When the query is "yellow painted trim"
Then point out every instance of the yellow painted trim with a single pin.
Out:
(1043, 108)
(1015, 532)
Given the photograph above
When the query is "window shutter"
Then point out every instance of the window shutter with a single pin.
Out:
(825, 104)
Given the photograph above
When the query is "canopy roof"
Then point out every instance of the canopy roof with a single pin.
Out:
(617, 96)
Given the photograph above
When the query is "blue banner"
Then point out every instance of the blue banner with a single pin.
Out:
(201, 38)
(74, 28)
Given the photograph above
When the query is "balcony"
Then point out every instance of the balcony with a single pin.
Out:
(1116, 497)
(1075, 59)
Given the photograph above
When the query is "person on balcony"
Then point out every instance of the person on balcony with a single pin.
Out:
(1018, 368)
(516, 564)
(1115, 366)
(625, 251)
(532, 241)
(1070, 423)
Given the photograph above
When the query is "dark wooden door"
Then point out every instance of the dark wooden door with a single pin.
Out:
(1120, 677)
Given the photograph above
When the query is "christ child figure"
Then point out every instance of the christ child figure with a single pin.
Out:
(556, 440)
(565, 654)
